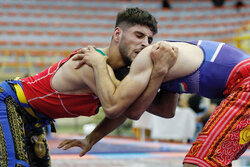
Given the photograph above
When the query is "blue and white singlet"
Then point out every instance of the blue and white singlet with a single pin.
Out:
(209, 80)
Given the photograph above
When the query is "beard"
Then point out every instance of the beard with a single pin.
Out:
(122, 72)
(124, 51)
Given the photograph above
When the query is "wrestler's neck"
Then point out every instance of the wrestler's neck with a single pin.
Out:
(114, 58)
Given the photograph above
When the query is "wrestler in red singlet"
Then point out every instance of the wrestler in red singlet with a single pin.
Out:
(46, 100)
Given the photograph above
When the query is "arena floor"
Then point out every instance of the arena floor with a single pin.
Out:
(120, 152)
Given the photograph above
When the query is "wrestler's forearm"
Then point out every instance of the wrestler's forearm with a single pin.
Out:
(116, 99)
(104, 128)
(145, 100)
(105, 86)
(166, 102)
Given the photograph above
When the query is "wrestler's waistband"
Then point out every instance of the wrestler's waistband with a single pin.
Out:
(15, 89)
(238, 76)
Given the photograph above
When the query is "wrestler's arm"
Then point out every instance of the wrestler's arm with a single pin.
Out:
(155, 101)
(135, 82)
(159, 72)
(116, 99)
(160, 103)
(164, 104)
(103, 128)
(106, 126)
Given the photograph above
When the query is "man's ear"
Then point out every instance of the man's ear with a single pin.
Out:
(117, 34)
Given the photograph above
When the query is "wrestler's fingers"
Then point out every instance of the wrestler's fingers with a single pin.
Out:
(175, 49)
(82, 50)
(63, 143)
(78, 57)
(73, 143)
(91, 48)
(155, 47)
(66, 146)
(82, 153)
(80, 64)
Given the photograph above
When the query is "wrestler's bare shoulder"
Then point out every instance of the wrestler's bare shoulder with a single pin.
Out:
(189, 59)
(73, 81)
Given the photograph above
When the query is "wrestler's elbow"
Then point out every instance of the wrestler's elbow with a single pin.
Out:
(169, 114)
(112, 112)
(164, 113)
(133, 116)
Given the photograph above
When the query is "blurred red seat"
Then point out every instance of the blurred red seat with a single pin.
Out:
(16, 43)
(29, 43)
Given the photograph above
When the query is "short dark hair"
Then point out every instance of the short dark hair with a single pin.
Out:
(135, 16)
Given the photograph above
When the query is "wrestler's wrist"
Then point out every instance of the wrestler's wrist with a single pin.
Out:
(101, 64)
(93, 138)
(159, 73)
(90, 140)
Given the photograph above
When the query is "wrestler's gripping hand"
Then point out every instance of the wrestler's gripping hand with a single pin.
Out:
(78, 56)
(82, 143)
(88, 56)
(163, 57)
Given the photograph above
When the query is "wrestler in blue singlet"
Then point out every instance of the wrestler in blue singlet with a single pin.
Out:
(210, 79)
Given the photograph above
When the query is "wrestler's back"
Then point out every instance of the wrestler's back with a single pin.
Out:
(69, 80)
(189, 59)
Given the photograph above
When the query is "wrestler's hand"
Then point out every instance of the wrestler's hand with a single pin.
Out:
(164, 57)
(89, 56)
(94, 58)
(78, 56)
(82, 143)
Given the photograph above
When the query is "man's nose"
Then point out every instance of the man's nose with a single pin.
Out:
(145, 42)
